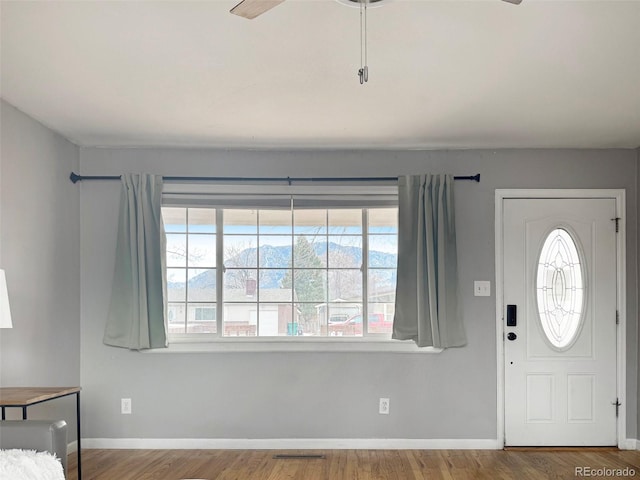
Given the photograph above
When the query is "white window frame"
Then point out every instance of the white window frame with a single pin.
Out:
(201, 195)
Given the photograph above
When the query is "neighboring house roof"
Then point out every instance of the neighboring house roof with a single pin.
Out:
(273, 295)
(270, 295)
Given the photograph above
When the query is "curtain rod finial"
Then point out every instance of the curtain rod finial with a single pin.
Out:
(74, 177)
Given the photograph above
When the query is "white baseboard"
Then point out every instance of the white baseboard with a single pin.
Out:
(292, 443)
(302, 444)
(72, 447)
(629, 444)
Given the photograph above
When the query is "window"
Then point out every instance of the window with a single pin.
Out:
(280, 272)
(191, 269)
(560, 289)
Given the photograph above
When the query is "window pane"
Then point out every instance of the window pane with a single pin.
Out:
(240, 251)
(383, 220)
(176, 284)
(176, 317)
(176, 250)
(345, 320)
(202, 250)
(345, 251)
(240, 221)
(201, 318)
(310, 285)
(202, 285)
(275, 251)
(343, 221)
(381, 318)
(310, 221)
(312, 318)
(383, 251)
(382, 285)
(345, 285)
(275, 222)
(240, 285)
(202, 220)
(275, 285)
(310, 251)
(276, 319)
(244, 323)
(205, 313)
(240, 320)
(174, 219)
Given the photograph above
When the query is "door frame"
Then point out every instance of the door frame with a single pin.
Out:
(619, 196)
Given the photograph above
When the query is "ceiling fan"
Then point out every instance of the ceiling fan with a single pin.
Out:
(252, 8)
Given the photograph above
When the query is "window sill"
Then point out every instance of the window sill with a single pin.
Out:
(260, 345)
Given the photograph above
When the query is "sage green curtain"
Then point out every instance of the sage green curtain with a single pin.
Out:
(136, 318)
(427, 309)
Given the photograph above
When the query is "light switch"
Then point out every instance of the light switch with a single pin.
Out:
(482, 288)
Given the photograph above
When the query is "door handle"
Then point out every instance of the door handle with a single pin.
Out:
(511, 336)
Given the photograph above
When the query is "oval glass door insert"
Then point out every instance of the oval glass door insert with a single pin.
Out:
(560, 289)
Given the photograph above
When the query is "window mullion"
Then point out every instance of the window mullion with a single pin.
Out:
(219, 273)
(365, 272)
(293, 260)
(186, 272)
(327, 295)
(257, 273)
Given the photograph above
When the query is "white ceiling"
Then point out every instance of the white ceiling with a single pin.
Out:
(442, 74)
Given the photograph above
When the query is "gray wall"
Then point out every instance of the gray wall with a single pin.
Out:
(325, 395)
(49, 241)
(39, 249)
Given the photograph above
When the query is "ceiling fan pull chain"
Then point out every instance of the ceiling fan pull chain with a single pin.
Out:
(363, 72)
(366, 62)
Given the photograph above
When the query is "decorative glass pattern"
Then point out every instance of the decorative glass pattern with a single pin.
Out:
(560, 289)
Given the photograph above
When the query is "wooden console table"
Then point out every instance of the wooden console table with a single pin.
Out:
(24, 397)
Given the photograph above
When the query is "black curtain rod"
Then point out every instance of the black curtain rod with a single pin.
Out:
(74, 177)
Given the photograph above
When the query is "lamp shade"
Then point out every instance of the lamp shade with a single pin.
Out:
(5, 311)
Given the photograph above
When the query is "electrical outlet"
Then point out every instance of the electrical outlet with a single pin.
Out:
(125, 406)
(384, 406)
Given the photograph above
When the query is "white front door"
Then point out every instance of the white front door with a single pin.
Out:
(560, 288)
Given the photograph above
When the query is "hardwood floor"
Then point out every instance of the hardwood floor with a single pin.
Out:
(529, 464)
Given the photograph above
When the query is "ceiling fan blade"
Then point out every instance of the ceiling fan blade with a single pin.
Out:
(515, 2)
(252, 8)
